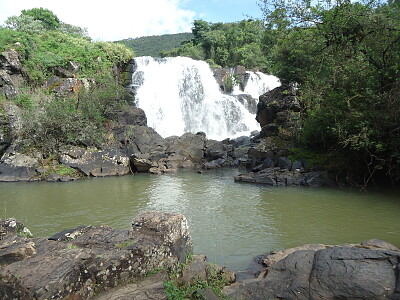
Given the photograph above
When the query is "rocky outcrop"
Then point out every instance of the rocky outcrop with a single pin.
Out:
(10, 73)
(369, 270)
(226, 77)
(93, 259)
(95, 163)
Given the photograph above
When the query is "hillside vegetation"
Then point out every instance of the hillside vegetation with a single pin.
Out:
(155, 45)
(46, 47)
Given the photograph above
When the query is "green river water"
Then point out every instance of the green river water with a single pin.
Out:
(229, 222)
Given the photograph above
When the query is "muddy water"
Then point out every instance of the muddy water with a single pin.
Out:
(229, 222)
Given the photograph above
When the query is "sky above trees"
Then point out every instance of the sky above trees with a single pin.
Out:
(120, 19)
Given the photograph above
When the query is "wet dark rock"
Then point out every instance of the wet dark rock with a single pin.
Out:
(93, 259)
(324, 272)
(284, 177)
(284, 163)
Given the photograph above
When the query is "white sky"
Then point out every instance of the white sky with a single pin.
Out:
(112, 20)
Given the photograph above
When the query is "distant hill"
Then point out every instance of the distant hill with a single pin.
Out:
(153, 45)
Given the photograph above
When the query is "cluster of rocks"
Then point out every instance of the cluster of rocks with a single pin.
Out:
(115, 264)
(76, 264)
(369, 270)
(278, 113)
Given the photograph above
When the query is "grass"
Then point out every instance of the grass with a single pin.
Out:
(176, 290)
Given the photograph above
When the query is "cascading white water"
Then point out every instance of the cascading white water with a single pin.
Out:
(257, 84)
(181, 95)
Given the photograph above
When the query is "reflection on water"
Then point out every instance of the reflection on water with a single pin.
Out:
(229, 222)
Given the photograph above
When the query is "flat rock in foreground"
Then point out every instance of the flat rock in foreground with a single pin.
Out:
(78, 263)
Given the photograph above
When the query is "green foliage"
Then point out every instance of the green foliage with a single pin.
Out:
(226, 44)
(177, 290)
(47, 17)
(345, 58)
(24, 100)
(155, 45)
(25, 23)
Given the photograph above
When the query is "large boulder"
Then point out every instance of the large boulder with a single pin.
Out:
(94, 259)
(325, 272)
(191, 147)
(277, 106)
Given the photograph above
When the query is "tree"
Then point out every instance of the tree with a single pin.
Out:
(25, 23)
(46, 16)
(345, 58)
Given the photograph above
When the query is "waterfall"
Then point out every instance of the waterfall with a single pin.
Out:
(181, 95)
(257, 83)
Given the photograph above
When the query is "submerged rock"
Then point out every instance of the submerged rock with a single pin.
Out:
(94, 259)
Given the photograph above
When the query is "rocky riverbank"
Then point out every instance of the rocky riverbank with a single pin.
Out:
(130, 146)
(152, 260)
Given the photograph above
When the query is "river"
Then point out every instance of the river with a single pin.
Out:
(230, 222)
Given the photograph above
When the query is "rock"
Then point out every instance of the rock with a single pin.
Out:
(140, 164)
(15, 248)
(217, 163)
(215, 150)
(95, 163)
(167, 229)
(284, 163)
(195, 270)
(94, 260)
(7, 87)
(11, 226)
(248, 102)
(191, 147)
(5, 137)
(298, 166)
(206, 294)
(379, 244)
(68, 234)
(280, 99)
(324, 272)
(134, 139)
(343, 272)
(10, 61)
(150, 288)
(20, 160)
(130, 115)
(276, 256)
(284, 177)
(10, 173)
